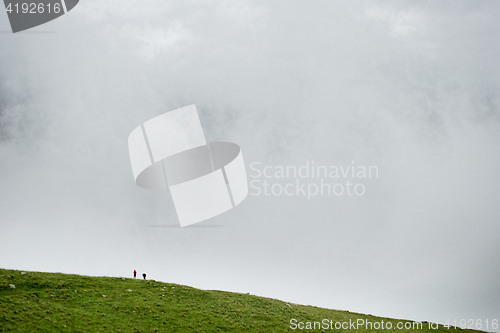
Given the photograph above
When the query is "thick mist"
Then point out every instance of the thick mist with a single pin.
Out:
(411, 87)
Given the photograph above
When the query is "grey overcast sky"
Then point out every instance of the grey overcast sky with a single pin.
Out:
(411, 87)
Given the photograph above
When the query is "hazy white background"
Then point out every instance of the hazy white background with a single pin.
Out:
(409, 86)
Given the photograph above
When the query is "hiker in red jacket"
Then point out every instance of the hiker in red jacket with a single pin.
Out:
(144, 276)
(135, 273)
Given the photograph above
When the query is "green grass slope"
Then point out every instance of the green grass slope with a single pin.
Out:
(53, 302)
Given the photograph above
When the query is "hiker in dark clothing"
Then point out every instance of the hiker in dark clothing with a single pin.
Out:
(135, 273)
(144, 276)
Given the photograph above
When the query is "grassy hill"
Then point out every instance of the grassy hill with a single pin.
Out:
(53, 302)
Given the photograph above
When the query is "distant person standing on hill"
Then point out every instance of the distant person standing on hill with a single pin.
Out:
(144, 276)
(135, 273)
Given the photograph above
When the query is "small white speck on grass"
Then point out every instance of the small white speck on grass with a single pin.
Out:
(23, 273)
(289, 305)
(12, 286)
(173, 287)
(104, 296)
(129, 290)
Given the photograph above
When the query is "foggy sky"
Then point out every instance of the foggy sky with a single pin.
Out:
(411, 87)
